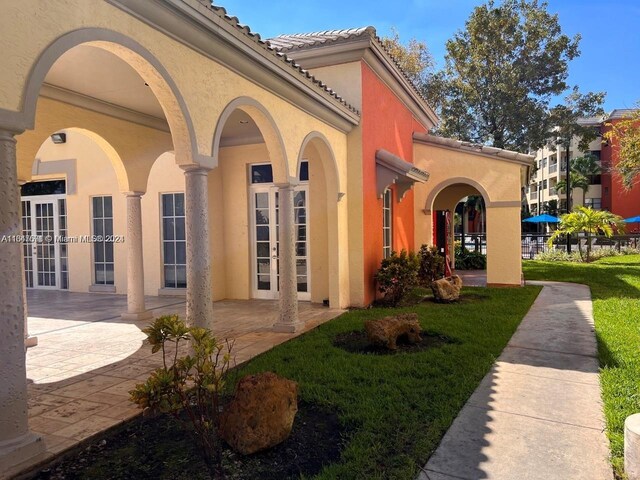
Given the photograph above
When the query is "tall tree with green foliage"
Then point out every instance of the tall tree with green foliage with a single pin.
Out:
(626, 134)
(502, 72)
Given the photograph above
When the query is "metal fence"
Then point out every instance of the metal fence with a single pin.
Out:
(474, 242)
(535, 243)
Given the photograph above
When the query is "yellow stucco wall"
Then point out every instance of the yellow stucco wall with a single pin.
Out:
(205, 99)
(137, 147)
(455, 174)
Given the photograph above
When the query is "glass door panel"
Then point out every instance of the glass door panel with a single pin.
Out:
(265, 219)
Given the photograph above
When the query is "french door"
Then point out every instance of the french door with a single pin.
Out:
(45, 254)
(265, 249)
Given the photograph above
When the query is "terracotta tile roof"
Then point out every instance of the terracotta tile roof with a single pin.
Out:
(233, 21)
(299, 41)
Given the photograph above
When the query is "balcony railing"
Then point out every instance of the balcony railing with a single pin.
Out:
(533, 195)
(553, 191)
(553, 168)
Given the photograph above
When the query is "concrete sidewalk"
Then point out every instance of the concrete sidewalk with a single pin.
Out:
(538, 413)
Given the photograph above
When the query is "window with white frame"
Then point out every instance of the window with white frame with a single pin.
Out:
(387, 223)
(103, 263)
(174, 243)
(595, 203)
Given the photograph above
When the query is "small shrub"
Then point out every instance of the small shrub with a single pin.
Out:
(431, 265)
(192, 383)
(563, 256)
(397, 275)
(468, 260)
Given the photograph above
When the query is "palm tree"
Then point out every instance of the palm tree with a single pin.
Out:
(582, 169)
(588, 221)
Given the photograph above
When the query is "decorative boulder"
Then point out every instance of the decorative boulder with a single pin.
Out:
(261, 413)
(447, 289)
(386, 331)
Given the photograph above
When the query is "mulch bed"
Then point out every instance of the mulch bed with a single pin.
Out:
(357, 342)
(163, 448)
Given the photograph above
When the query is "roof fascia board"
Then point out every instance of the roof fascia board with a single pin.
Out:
(456, 145)
(207, 33)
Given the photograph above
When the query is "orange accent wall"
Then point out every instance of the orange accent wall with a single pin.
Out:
(615, 197)
(386, 124)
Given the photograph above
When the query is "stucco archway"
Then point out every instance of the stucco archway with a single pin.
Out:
(328, 261)
(268, 130)
(140, 59)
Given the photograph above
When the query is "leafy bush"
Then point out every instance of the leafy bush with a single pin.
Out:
(431, 265)
(468, 260)
(397, 275)
(192, 383)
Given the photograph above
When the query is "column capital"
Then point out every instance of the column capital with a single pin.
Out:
(8, 135)
(285, 185)
(195, 169)
(133, 194)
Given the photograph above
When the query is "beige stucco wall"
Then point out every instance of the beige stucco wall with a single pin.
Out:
(95, 176)
(455, 174)
(345, 78)
(282, 124)
(205, 99)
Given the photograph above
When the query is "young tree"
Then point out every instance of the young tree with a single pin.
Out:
(626, 134)
(502, 72)
(588, 221)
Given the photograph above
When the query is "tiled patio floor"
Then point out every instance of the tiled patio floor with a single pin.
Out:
(88, 358)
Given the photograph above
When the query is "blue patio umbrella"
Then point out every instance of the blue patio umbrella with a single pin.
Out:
(544, 218)
(635, 219)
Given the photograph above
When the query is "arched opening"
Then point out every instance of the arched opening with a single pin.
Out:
(458, 225)
(316, 158)
(252, 166)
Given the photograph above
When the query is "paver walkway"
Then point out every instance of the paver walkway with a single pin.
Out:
(88, 357)
(538, 413)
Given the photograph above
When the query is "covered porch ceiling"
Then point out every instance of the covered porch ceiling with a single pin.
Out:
(90, 77)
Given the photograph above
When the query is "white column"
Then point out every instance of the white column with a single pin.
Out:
(135, 265)
(17, 444)
(199, 292)
(288, 320)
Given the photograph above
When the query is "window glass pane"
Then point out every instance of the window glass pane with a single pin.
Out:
(262, 233)
(264, 266)
(168, 228)
(181, 253)
(180, 229)
(170, 276)
(304, 171)
(262, 200)
(261, 174)
(167, 205)
(169, 253)
(108, 252)
(97, 207)
(264, 282)
(263, 249)
(262, 217)
(179, 204)
(181, 276)
(100, 278)
(108, 209)
(109, 273)
(108, 227)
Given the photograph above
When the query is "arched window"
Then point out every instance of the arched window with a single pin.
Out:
(387, 223)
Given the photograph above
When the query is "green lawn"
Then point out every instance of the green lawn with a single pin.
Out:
(397, 407)
(615, 288)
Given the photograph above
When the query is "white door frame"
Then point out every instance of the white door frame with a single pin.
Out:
(45, 199)
(271, 191)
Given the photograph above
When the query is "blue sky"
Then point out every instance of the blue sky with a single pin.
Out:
(610, 29)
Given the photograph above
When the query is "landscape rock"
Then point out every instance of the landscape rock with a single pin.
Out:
(447, 289)
(386, 331)
(261, 413)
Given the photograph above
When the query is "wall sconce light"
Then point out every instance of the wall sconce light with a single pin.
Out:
(59, 138)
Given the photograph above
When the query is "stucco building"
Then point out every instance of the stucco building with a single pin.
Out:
(162, 148)
(605, 191)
